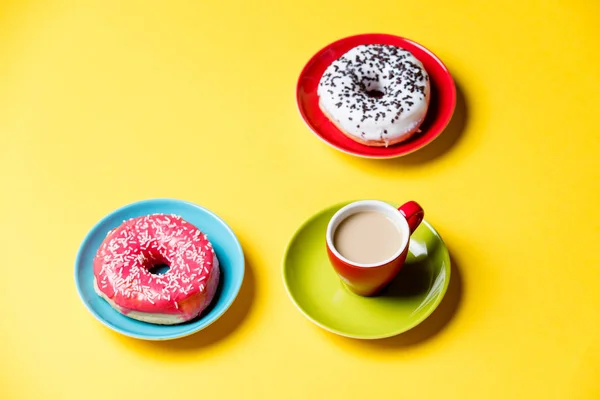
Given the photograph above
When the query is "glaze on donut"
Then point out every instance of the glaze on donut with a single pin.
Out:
(376, 95)
(123, 262)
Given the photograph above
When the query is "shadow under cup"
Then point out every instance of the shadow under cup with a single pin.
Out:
(368, 279)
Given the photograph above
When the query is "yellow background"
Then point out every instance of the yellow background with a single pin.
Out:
(103, 103)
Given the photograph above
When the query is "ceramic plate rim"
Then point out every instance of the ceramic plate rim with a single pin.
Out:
(434, 305)
(201, 323)
(362, 155)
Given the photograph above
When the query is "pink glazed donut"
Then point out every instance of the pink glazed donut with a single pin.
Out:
(123, 264)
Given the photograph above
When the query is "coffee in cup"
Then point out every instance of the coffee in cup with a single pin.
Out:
(367, 242)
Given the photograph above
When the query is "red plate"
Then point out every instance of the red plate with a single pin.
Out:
(441, 106)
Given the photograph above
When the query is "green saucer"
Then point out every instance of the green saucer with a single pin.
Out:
(318, 293)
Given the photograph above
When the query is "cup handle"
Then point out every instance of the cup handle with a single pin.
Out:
(413, 213)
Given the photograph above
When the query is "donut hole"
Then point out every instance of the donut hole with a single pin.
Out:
(377, 94)
(373, 88)
(159, 269)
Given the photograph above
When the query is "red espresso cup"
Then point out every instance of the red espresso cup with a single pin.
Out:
(367, 242)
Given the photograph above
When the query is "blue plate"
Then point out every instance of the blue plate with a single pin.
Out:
(226, 245)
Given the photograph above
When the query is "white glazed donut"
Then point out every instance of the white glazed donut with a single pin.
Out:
(376, 95)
